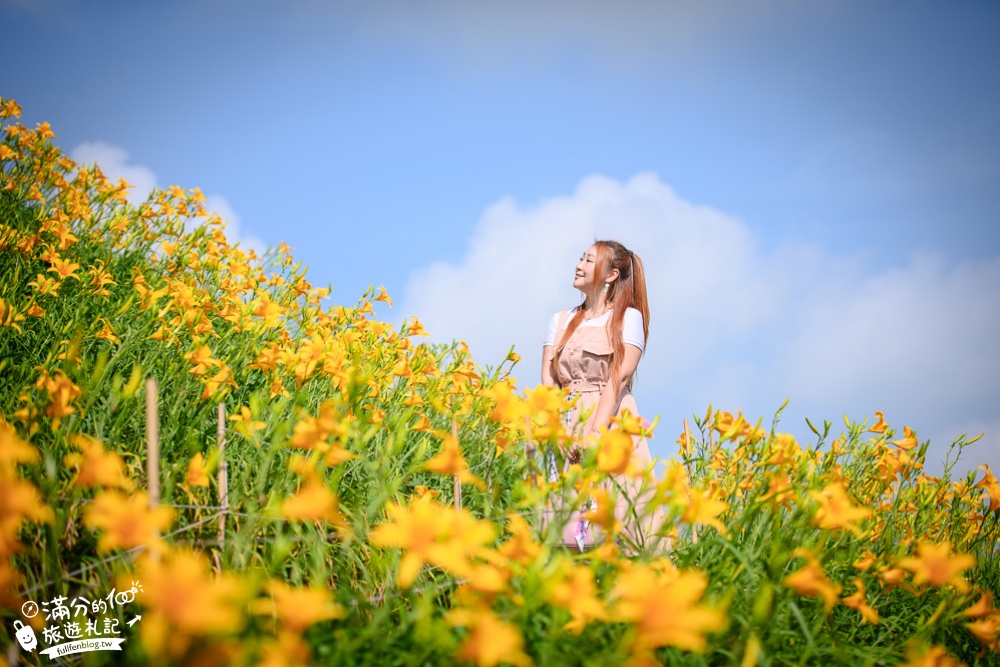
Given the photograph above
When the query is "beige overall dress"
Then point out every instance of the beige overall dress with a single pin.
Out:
(583, 365)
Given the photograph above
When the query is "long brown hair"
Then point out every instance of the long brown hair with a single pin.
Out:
(629, 291)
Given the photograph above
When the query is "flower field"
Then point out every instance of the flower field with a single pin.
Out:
(280, 481)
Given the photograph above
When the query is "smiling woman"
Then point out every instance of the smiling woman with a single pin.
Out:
(593, 350)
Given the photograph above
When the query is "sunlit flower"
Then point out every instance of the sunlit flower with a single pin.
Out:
(184, 599)
(314, 501)
(127, 521)
(989, 482)
(10, 318)
(602, 512)
(423, 424)
(416, 328)
(101, 278)
(62, 393)
(879, 426)
(836, 511)
(432, 533)
(935, 656)
(382, 296)
(96, 467)
(982, 607)
(858, 601)
(987, 631)
(811, 581)
(934, 564)
(521, 547)
(574, 590)
(106, 332)
(197, 471)
(664, 609)
(245, 422)
(490, 641)
(614, 454)
(213, 385)
(909, 440)
(64, 268)
(298, 607)
(450, 460)
(704, 508)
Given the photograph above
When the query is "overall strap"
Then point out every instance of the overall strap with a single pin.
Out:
(560, 327)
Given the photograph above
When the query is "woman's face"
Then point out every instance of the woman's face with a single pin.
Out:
(586, 270)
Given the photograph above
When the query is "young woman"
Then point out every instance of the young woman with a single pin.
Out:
(594, 349)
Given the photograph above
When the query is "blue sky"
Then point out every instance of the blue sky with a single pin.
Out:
(813, 186)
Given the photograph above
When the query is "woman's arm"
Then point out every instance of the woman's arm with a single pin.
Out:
(548, 352)
(607, 406)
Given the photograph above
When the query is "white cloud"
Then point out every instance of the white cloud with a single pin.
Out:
(115, 163)
(734, 324)
(234, 227)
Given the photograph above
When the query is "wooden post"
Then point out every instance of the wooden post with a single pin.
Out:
(220, 435)
(152, 443)
(458, 481)
(153, 446)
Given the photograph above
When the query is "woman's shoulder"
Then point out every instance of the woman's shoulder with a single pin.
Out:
(633, 313)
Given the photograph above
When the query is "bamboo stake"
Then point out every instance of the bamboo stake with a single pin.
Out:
(153, 446)
(220, 435)
(152, 443)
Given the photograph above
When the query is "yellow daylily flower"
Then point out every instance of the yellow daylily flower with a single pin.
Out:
(127, 521)
(298, 607)
(811, 581)
(96, 467)
(935, 564)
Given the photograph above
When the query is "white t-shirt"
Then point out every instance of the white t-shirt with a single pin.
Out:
(632, 333)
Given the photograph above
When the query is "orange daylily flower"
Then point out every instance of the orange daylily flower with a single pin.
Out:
(521, 547)
(62, 392)
(909, 440)
(936, 565)
(574, 589)
(835, 511)
(9, 317)
(127, 521)
(298, 607)
(450, 460)
(197, 471)
(810, 580)
(314, 501)
(432, 533)
(491, 641)
(858, 601)
(989, 482)
(64, 268)
(423, 424)
(614, 454)
(665, 609)
(703, 508)
(935, 656)
(107, 333)
(879, 426)
(185, 599)
(245, 423)
(96, 467)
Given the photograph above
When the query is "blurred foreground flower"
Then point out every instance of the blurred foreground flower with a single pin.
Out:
(127, 521)
(664, 609)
